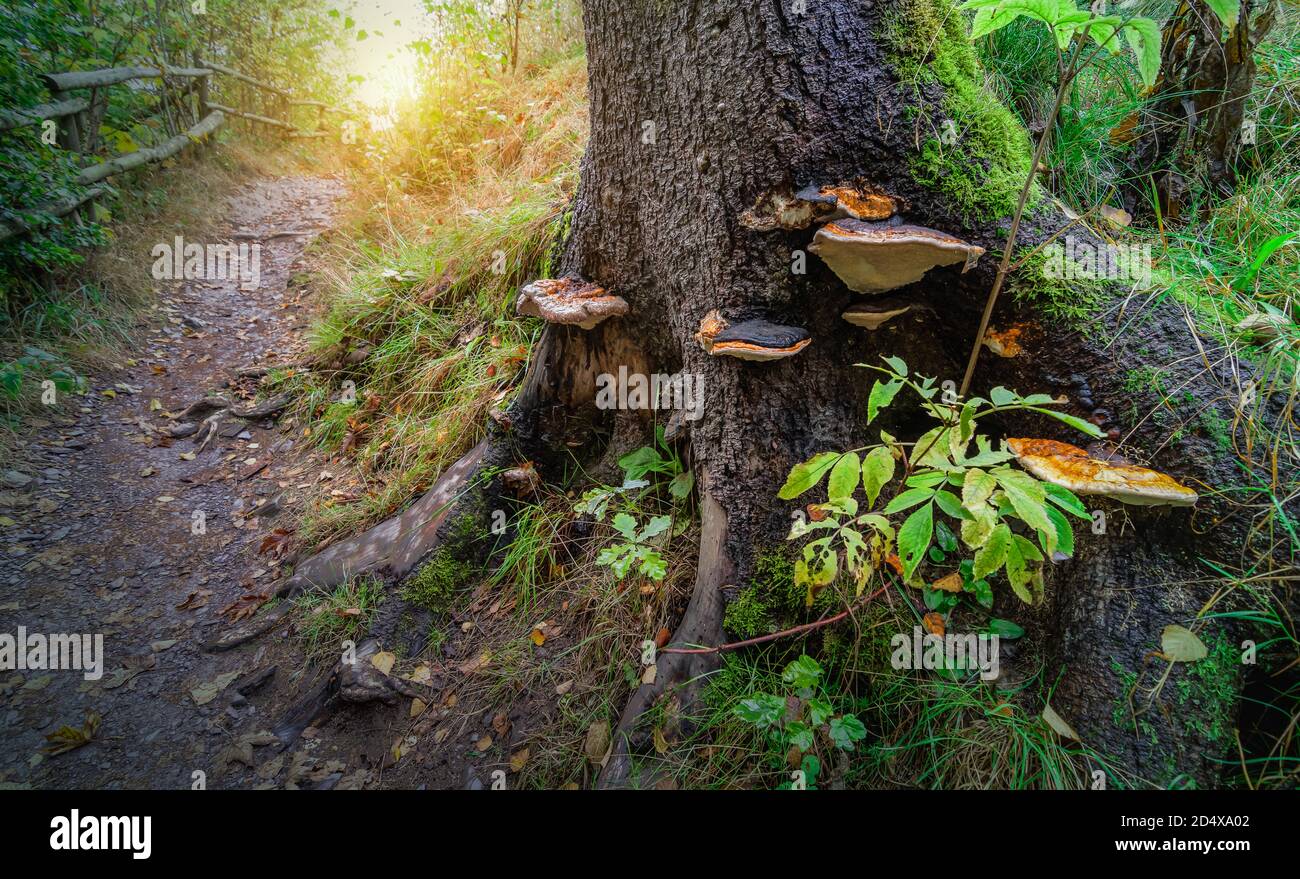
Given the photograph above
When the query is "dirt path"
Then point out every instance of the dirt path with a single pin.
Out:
(101, 506)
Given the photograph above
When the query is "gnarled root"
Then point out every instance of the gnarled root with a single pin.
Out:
(680, 674)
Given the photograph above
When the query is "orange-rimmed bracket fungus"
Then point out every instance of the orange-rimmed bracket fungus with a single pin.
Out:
(753, 339)
(569, 301)
(876, 257)
(1073, 468)
(875, 313)
(783, 209)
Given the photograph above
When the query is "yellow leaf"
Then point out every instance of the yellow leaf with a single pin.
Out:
(950, 583)
(538, 636)
(383, 661)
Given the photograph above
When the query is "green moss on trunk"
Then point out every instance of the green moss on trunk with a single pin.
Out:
(981, 160)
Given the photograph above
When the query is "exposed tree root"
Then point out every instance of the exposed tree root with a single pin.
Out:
(679, 675)
(396, 545)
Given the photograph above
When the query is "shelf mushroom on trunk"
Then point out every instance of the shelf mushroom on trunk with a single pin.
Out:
(569, 301)
(1073, 468)
(753, 339)
(784, 209)
(877, 257)
(875, 313)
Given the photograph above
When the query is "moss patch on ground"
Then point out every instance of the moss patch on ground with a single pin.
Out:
(983, 165)
(772, 601)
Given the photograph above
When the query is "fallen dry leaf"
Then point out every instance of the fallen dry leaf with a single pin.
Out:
(383, 661)
(596, 745)
(518, 759)
(950, 583)
(67, 738)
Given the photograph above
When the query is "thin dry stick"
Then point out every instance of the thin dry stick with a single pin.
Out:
(797, 630)
(1073, 71)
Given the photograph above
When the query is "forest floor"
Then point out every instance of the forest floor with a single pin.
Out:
(99, 504)
(102, 504)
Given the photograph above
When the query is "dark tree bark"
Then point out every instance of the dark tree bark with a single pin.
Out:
(698, 110)
(1191, 127)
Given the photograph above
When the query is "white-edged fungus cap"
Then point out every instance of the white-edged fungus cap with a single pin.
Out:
(874, 313)
(569, 301)
(1073, 468)
(876, 257)
(753, 339)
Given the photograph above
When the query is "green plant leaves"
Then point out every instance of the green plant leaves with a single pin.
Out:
(907, 499)
(846, 730)
(1143, 36)
(1226, 10)
(993, 554)
(1026, 580)
(1064, 534)
(914, 538)
(1066, 500)
(806, 475)
(882, 394)
(626, 525)
(877, 471)
(1028, 499)
(844, 477)
(803, 673)
(1266, 250)
(762, 709)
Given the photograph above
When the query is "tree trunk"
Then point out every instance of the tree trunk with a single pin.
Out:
(702, 110)
(1191, 127)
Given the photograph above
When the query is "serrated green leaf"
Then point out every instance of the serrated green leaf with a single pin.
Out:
(846, 730)
(907, 499)
(806, 475)
(802, 673)
(951, 504)
(1066, 500)
(914, 539)
(1020, 553)
(993, 554)
(1064, 543)
(897, 364)
(877, 471)
(882, 394)
(1226, 10)
(976, 530)
(977, 487)
(1028, 500)
(1143, 36)
(844, 476)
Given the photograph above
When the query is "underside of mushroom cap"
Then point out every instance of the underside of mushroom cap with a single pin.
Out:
(751, 339)
(876, 257)
(875, 313)
(569, 301)
(1073, 468)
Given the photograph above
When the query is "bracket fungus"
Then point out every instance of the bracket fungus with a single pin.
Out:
(569, 301)
(874, 314)
(875, 257)
(1073, 468)
(783, 209)
(753, 339)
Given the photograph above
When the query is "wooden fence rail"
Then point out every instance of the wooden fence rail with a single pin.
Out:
(78, 123)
